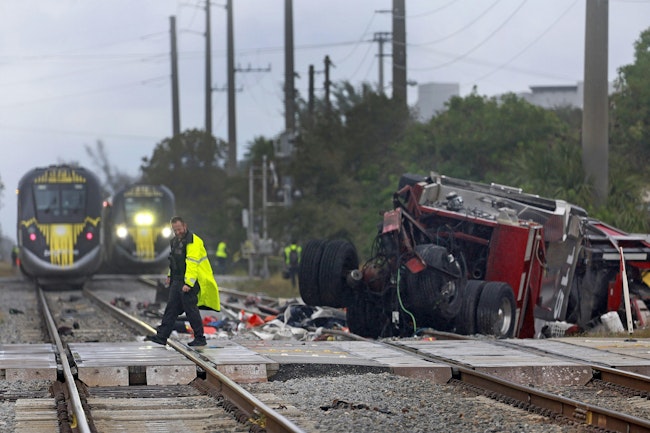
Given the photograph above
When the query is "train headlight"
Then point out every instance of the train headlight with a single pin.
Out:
(166, 232)
(121, 232)
(143, 219)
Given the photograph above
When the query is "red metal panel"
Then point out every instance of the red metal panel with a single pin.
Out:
(509, 262)
(506, 261)
(526, 321)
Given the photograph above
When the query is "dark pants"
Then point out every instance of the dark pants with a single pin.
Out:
(178, 303)
(221, 265)
(293, 274)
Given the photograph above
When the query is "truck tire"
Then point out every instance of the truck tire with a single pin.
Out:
(423, 293)
(364, 318)
(309, 270)
(446, 305)
(496, 310)
(338, 259)
(466, 319)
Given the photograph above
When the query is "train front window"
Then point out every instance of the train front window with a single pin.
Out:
(145, 211)
(59, 200)
(73, 200)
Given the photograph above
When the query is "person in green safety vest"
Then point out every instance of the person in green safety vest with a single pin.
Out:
(222, 257)
(14, 256)
(292, 255)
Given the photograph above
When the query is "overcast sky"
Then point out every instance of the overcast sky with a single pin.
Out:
(73, 72)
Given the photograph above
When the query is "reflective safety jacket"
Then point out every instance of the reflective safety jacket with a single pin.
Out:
(222, 251)
(287, 253)
(198, 268)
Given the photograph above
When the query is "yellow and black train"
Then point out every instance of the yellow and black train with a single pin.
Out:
(136, 231)
(59, 225)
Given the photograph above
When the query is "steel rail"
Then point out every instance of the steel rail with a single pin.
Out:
(79, 419)
(229, 308)
(575, 410)
(274, 422)
(605, 373)
(627, 379)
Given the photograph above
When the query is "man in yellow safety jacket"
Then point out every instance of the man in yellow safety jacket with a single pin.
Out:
(191, 284)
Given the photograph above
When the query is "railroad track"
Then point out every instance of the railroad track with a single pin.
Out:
(209, 400)
(546, 402)
(549, 403)
(626, 389)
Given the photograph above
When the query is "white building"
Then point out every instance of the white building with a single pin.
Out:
(432, 97)
(554, 96)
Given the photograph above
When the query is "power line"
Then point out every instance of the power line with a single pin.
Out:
(31, 129)
(434, 11)
(485, 63)
(90, 92)
(360, 40)
(480, 44)
(533, 42)
(465, 27)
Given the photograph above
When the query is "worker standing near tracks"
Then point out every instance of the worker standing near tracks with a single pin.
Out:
(191, 284)
(292, 255)
(222, 257)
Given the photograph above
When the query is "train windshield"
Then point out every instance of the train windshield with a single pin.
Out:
(144, 210)
(60, 200)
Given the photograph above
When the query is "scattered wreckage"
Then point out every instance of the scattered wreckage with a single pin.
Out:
(472, 258)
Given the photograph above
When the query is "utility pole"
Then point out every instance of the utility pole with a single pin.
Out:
(327, 83)
(399, 51)
(232, 120)
(265, 240)
(208, 72)
(311, 89)
(381, 38)
(251, 222)
(289, 85)
(595, 117)
(231, 167)
(176, 117)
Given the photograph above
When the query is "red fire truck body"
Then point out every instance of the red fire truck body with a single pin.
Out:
(468, 257)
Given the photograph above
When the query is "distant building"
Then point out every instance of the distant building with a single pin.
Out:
(554, 96)
(558, 96)
(432, 98)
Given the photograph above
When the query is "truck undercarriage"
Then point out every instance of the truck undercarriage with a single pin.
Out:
(474, 258)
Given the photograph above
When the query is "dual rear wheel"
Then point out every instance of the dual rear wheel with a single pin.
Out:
(488, 308)
(323, 271)
(479, 307)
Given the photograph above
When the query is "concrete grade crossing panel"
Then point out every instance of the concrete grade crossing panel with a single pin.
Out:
(508, 363)
(627, 354)
(27, 362)
(109, 364)
(333, 355)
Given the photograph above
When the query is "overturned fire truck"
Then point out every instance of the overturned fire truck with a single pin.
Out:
(473, 258)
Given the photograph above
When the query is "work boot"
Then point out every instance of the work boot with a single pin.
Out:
(156, 339)
(198, 341)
